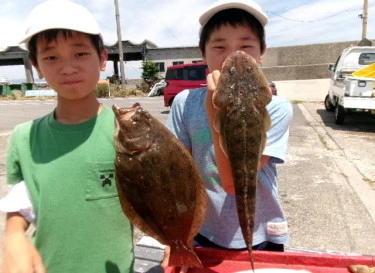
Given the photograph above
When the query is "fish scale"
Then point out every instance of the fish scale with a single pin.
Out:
(242, 121)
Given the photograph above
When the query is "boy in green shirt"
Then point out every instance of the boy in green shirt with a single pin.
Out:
(67, 157)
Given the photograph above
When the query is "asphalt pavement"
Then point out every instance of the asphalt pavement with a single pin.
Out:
(326, 186)
(327, 190)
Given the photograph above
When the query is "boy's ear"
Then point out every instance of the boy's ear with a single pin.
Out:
(103, 59)
(36, 66)
(261, 58)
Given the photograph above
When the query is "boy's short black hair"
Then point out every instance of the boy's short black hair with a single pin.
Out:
(233, 17)
(51, 35)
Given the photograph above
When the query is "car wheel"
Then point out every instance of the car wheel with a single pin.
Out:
(328, 104)
(340, 113)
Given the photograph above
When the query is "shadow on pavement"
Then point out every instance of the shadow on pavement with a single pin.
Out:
(354, 121)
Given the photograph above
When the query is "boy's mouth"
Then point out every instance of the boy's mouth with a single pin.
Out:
(70, 82)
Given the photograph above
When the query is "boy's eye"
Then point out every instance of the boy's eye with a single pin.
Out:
(80, 54)
(49, 58)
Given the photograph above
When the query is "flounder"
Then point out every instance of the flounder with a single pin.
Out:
(160, 187)
(242, 121)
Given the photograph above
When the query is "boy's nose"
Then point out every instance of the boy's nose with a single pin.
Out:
(68, 68)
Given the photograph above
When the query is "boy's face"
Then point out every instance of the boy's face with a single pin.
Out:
(227, 39)
(70, 65)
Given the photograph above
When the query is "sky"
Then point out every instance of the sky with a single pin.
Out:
(174, 23)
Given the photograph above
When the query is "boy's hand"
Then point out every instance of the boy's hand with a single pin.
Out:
(20, 255)
(165, 261)
(212, 80)
(222, 161)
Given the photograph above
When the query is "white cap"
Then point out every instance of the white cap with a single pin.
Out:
(59, 14)
(246, 5)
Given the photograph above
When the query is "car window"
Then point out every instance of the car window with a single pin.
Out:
(366, 58)
(188, 73)
(197, 73)
(174, 74)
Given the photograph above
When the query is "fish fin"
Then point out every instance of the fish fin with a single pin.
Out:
(216, 122)
(223, 145)
(267, 121)
(183, 255)
(266, 127)
(265, 97)
(252, 259)
(200, 210)
(217, 127)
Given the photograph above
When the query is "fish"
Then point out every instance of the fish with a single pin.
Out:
(242, 122)
(160, 187)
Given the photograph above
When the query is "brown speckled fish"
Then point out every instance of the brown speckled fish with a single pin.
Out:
(242, 121)
(159, 185)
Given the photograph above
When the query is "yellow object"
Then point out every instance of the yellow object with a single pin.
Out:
(367, 72)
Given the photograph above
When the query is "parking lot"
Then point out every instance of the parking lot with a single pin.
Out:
(326, 186)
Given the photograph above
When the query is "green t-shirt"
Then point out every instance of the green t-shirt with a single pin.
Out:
(69, 172)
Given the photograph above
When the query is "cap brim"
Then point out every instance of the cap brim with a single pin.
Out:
(205, 17)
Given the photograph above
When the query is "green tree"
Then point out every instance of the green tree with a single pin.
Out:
(150, 71)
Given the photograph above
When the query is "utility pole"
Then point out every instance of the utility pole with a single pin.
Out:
(364, 17)
(121, 54)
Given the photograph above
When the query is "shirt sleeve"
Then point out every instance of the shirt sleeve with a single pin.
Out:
(18, 200)
(176, 121)
(14, 171)
(281, 112)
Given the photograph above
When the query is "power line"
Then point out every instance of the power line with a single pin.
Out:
(167, 28)
(311, 21)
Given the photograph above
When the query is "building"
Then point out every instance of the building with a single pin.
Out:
(281, 63)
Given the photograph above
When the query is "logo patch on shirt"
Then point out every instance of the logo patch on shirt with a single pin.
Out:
(100, 182)
(277, 228)
(106, 179)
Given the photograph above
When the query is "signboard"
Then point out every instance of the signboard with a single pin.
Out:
(40, 93)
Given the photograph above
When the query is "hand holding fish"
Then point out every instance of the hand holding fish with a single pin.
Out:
(222, 161)
(17, 247)
(239, 121)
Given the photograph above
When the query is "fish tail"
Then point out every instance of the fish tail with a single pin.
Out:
(251, 258)
(183, 255)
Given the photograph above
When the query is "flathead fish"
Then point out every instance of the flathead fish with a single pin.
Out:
(242, 121)
(160, 187)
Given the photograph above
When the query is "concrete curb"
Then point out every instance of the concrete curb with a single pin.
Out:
(353, 177)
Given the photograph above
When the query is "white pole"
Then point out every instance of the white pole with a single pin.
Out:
(121, 54)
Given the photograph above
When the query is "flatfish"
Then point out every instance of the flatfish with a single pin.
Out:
(242, 121)
(159, 185)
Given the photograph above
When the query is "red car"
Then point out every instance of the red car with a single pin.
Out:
(183, 76)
